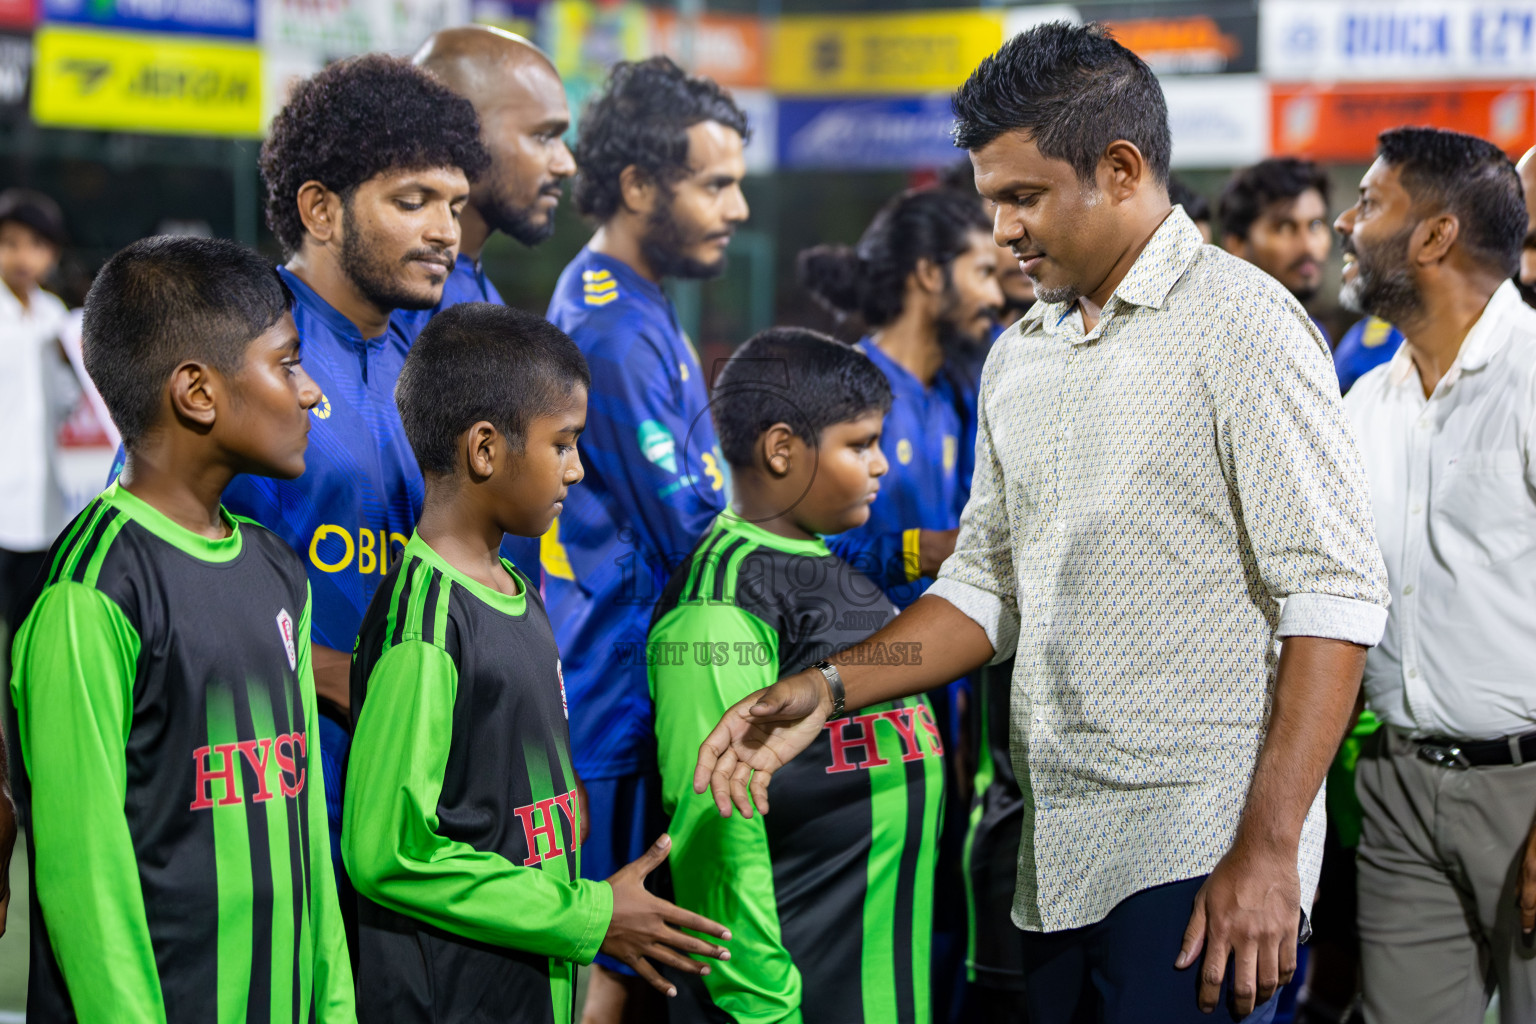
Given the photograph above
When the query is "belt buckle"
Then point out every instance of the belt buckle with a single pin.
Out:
(1444, 757)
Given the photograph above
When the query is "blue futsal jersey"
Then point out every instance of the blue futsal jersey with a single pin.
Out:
(357, 503)
(468, 283)
(929, 437)
(1364, 347)
(655, 480)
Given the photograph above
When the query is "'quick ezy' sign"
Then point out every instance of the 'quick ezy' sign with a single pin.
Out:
(1412, 39)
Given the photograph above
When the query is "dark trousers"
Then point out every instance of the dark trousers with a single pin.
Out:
(1120, 970)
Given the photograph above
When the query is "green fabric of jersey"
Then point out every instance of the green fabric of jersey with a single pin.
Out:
(180, 860)
(829, 898)
(459, 813)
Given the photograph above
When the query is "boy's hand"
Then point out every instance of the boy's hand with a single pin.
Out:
(646, 926)
(757, 737)
(7, 844)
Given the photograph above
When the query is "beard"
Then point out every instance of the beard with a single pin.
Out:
(1382, 286)
(665, 247)
(520, 222)
(955, 334)
(1064, 293)
(376, 277)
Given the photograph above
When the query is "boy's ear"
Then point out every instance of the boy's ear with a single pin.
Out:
(483, 448)
(778, 449)
(192, 392)
(929, 276)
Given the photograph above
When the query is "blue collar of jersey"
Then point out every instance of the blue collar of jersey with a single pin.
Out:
(328, 314)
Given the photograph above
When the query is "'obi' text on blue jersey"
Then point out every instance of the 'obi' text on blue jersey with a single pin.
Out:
(1364, 347)
(929, 436)
(468, 283)
(654, 482)
(356, 504)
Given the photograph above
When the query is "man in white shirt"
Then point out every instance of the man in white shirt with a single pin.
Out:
(31, 235)
(1448, 432)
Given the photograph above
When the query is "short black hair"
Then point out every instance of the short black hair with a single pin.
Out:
(1074, 90)
(1251, 189)
(36, 211)
(796, 376)
(359, 118)
(483, 361)
(933, 224)
(1468, 177)
(164, 300)
(1195, 205)
(642, 119)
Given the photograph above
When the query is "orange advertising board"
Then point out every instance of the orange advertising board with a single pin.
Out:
(1341, 122)
(726, 47)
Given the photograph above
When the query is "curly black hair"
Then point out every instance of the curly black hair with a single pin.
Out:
(1251, 189)
(642, 119)
(358, 118)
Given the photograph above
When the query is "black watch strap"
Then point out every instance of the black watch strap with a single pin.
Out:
(834, 686)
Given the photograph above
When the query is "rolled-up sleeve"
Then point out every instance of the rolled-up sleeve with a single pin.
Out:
(1291, 456)
(979, 578)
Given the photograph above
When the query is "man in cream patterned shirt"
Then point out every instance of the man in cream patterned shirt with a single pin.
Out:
(1165, 486)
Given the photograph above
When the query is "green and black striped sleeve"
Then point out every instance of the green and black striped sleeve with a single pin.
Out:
(721, 867)
(74, 735)
(391, 842)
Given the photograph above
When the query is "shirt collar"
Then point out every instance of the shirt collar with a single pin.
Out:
(1487, 336)
(1157, 269)
(332, 317)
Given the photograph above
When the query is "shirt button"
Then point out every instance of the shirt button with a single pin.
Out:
(1417, 508)
(1408, 590)
(1061, 527)
(1413, 673)
(1423, 424)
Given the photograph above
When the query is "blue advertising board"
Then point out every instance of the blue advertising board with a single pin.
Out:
(230, 18)
(866, 133)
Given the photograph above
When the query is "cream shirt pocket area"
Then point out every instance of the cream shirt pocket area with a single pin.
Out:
(1482, 511)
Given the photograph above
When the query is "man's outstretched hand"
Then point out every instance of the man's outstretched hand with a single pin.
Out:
(757, 737)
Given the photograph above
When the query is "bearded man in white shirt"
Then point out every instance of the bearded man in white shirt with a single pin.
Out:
(1447, 429)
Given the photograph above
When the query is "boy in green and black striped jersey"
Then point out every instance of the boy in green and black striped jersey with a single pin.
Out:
(830, 898)
(163, 688)
(461, 824)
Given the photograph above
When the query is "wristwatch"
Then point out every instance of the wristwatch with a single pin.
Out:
(834, 686)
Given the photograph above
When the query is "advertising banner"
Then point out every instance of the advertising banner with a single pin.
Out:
(726, 47)
(1217, 120)
(18, 13)
(327, 29)
(234, 18)
(1326, 40)
(867, 134)
(762, 110)
(880, 53)
(15, 72)
(129, 81)
(1187, 38)
(1342, 122)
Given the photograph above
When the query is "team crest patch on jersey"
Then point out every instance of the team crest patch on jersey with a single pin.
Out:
(1376, 333)
(560, 675)
(285, 628)
(322, 409)
(598, 287)
(658, 446)
(904, 451)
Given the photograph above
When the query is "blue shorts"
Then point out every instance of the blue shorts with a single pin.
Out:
(626, 817)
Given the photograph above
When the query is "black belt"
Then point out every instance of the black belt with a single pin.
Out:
(1449, 753)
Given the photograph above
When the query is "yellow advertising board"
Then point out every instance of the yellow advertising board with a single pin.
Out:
(130, 81)
(881, 53)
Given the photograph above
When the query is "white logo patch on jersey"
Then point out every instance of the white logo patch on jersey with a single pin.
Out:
(560, 675)
(285, 628)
